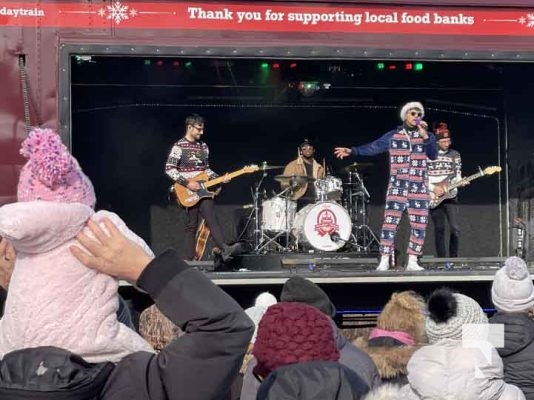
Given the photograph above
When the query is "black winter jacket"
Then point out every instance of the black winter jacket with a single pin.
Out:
(518, 351)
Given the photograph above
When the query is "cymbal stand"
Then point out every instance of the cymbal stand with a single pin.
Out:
(357, 202)
(256, 209)
(265, 240)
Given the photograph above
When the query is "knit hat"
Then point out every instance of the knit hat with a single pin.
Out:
(441, 130)
(448, 312)
(291, 333)
(409, 106)
(302, 290)
(512, 289)
(263, 301)
(52, 173)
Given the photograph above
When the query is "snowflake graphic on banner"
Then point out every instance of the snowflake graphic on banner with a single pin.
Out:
(117, 12)
(530, 20)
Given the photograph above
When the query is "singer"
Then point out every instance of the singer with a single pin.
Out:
(408, 145)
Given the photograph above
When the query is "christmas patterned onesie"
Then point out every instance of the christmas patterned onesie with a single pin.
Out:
(407, 187)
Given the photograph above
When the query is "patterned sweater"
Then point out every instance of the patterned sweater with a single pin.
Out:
(447, 165)
(188, 159)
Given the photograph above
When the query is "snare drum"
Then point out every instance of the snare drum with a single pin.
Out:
(329, 188)
(316, 223)
(274, 214)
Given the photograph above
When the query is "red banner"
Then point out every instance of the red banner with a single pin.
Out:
(269, 18)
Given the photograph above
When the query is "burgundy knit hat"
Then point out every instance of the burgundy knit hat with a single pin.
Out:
(291, 333)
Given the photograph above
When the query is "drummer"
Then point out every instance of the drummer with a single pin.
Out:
(309, 169)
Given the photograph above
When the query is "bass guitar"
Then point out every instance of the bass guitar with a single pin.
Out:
(450, 189)
(189, 198)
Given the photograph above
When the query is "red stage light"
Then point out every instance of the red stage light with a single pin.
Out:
(392, 67)
(175, 64)
(160, 63)
(408, 66)
(276, 66)
(293, 65)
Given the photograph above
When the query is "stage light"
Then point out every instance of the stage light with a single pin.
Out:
(147, 63)
(276, 66)
(418, 66)
(176, 64)
(380, 66)
(160, 63)
(392, 67)
(408, 66)
(264, 65)
(189, 64)
(293, 65)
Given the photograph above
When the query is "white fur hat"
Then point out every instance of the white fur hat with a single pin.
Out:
(410, 106)
(512, 289)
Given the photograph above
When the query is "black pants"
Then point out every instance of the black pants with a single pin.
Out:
(205, 208)
(448, 210)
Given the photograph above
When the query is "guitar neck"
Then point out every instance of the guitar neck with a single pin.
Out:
(468, 179)
(220, 179)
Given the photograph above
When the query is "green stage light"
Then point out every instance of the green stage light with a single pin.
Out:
(264, 65)
(380, 66)
(418, 67)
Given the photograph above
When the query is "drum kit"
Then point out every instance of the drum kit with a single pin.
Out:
(337, 219)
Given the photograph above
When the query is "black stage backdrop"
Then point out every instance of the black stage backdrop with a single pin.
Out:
(122, 135)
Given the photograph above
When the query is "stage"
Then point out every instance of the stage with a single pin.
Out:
(350, 279)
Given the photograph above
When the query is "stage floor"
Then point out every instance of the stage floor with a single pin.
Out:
(340, 268)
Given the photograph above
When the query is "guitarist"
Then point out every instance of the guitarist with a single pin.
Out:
(189, 157)
(446, 168)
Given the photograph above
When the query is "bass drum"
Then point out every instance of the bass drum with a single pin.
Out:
(316, 224)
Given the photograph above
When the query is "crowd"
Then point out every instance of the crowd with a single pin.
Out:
(65, 332)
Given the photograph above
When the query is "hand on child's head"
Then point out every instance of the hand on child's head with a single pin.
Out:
(110, 252)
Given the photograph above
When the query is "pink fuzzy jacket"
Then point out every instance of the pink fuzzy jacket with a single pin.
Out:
(53, 300)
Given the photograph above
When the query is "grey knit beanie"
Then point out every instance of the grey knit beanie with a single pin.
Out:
(512, 289)
(448, 312)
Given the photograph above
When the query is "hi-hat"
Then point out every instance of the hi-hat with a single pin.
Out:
(294, 178)
(356, 166)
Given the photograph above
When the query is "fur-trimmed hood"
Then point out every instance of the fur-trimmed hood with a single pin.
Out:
(390, 361)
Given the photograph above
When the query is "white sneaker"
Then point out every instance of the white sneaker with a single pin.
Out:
(384, 263)
(412, 264)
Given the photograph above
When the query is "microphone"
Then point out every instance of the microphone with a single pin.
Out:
(334, 237)
(247, 206)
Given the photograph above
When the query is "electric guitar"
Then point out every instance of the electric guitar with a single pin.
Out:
(189, 198)
(450, 189)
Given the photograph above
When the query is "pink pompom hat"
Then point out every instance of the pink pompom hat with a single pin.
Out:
(52, 173)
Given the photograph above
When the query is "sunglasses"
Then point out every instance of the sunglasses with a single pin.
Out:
(415, 113)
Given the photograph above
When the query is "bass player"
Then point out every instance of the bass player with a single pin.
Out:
(446, 168)
(188, 158)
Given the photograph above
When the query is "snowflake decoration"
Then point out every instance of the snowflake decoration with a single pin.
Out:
(530, 20)
(117, 12)
(522, 20)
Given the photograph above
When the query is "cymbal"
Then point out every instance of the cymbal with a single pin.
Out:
(297, 178)
(265, 167)
(356, 166)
